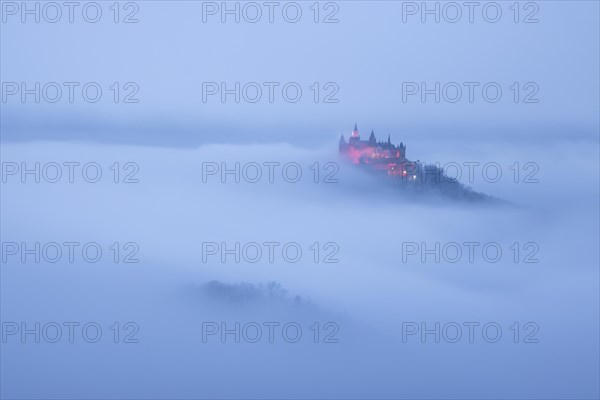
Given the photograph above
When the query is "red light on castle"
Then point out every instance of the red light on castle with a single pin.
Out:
(379, 155)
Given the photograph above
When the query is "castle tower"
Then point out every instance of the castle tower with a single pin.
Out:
(343, 145)
(372, 139)
(355, 131)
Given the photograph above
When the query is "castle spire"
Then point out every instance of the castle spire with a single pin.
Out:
(343, 147)
(372, 139)
(355, 131)
(389, 139)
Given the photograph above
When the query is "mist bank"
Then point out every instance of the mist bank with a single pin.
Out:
(388, 276)
(192, 131)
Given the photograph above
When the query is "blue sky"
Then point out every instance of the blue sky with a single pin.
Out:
(368, 54)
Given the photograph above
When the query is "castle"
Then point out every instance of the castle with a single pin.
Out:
(382, 156)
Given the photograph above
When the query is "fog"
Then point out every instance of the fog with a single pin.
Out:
(375, 287)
